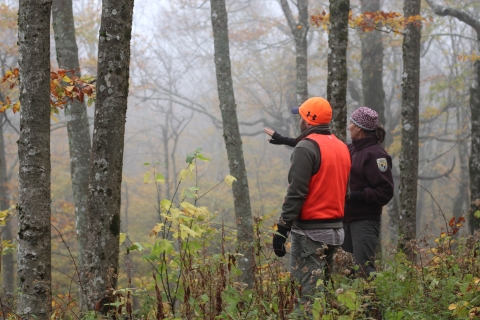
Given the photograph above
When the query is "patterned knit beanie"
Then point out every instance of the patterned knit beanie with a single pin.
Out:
(365, 118)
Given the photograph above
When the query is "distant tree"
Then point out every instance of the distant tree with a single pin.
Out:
(34, 200)
(7, 260)
(372, 65)
(474, 162)
(75, 115)
(410, 114)
(337, 65)
(99, 276)
(233, 141)
(299, 31)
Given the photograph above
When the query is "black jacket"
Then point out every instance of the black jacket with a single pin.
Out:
(371, 178)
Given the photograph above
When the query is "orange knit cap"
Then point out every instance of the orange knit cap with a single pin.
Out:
(315, 111)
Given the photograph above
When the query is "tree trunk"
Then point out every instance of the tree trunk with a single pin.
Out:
(233, 141)
(337, 66)
(474, 161)
(299, 31)
(372, 65)
(7, 260)
(99, 277)
(34, 248)
(410, 114)
(76, 117)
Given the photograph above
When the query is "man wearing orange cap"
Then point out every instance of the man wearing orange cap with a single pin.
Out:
(314, 205)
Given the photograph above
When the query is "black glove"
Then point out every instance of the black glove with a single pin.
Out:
(356, 196)
(279, 240)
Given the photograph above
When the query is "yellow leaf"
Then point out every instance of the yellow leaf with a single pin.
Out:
(189, 208)
(156, 229)
(453, 306)
(69, 88)
(146, 178)
(229, 179)
(185, 173)
(16, 108)
(66, 79)
(123, 236)
(53, 118)
(186, 231)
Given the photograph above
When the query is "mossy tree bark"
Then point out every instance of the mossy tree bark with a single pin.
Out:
(34, 200)
(337, 66)
(474, 161)
(76, 117)
(99, 277)
(410, 115)
(299, 31)
(233, 141)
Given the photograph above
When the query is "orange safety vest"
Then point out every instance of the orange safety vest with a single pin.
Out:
(326, 194)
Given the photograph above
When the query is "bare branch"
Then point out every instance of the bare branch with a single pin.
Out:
(459, 14)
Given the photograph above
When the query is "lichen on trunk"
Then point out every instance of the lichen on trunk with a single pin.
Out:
(410, 122)
(99, 276)
(34, 200)
(233, 141)
(337, 66)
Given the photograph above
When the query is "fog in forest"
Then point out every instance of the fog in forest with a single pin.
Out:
(173, 110)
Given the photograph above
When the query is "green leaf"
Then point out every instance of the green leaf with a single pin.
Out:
(317, 309)
(349, 299)
(477, 214)
(164, 245)
(204, 298)
(159, 178)
(190, 158)
(202, 157)
(146, 164)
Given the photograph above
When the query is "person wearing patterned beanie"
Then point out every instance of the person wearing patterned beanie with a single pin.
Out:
(371, 187)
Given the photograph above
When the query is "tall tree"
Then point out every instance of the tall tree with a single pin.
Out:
(372, 65)
(34, 201)
(299, 31)
(410, 114)
(233, 141)
(337, 65)
(7, 260)
(99, 276)
(474, 162)
(75, 115)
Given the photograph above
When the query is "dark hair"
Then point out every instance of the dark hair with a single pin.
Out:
(379, 132)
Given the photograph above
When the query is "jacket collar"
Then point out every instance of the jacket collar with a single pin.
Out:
(365, 142)
(321, 129)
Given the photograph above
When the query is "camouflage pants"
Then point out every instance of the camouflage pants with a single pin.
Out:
(310, 261)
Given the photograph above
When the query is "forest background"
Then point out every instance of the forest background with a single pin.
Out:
(172, 110)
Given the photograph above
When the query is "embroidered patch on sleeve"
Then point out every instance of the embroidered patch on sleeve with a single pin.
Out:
(382, 164)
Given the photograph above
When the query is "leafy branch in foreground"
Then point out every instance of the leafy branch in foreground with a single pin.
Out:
(65, 86)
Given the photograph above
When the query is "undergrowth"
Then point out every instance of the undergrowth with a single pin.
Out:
(193, 273)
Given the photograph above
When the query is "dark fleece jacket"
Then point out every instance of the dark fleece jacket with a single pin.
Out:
(367, 176)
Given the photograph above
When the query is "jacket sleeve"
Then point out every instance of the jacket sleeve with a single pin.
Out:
(277, 138)
(380, 189)
(302, 165)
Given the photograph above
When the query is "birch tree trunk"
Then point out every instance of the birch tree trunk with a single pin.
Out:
(372, 65)
(410, 114)
(34, 249)
(76, 116)
(99, 278)
(337, 66)
(299, 31)
(233, 141)
(474, 161)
